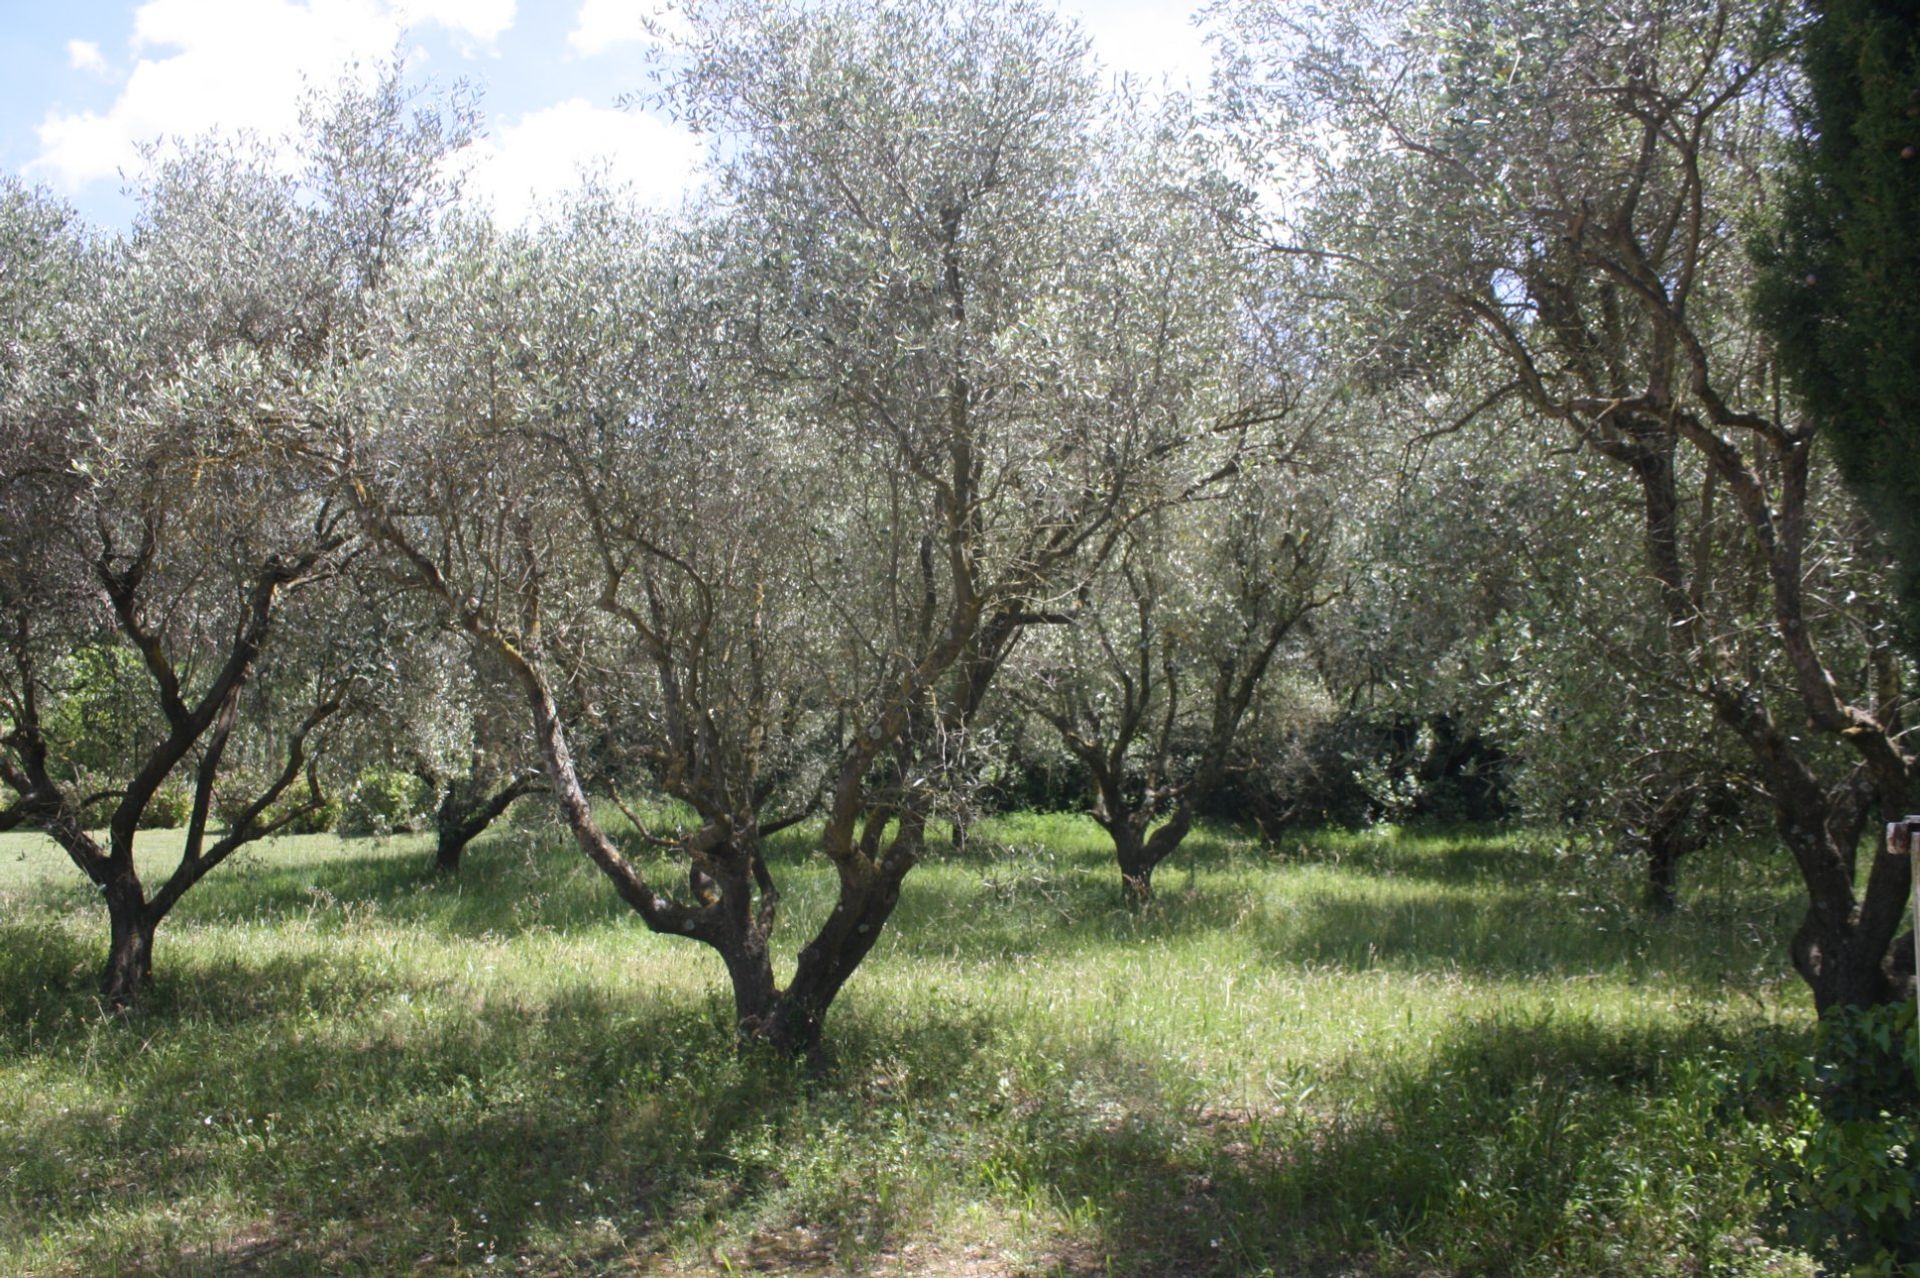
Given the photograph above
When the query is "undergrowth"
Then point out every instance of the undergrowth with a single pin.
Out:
(1449, 1052)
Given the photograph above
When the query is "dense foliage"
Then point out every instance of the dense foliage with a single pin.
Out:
(1841, 292)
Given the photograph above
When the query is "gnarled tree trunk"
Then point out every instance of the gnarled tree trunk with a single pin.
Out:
(131, 923)
(464, 815)
(849, 934)
(1140, 851)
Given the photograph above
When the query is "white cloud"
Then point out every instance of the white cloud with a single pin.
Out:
(548, 151)
(225, 65)
(602, 24)
(84, 55)
(1152, 39)
(482, 20)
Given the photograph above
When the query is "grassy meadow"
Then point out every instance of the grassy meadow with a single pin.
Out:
(1389, 1053)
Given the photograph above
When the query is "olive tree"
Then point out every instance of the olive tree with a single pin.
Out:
(149, 512)
(1560, 196)
(762, 501)
(1573, 672)
(158, 505)
(435, 740)
(554, 445)
(981, 309)
(1150, 687)
(1504, 604)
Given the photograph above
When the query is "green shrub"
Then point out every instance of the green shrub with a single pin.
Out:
(1846, 1159)
(172, 806)
(101, 719)
(235, 794)
(168, 809)
(319, 820)
(384, 800)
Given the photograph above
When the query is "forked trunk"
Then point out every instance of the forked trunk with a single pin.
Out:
(1663, 877)
(789, 1022)
(1139, 854)
(1842, 967)
(464, 815)
(1675, 828)
(750, 971)
(793, 1027)
(741, 934)
(1842, 947)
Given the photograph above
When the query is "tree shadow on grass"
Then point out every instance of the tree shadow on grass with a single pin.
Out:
(1518, 1144)
(1481, 931)
(1478, 902)
(1524, 1143)
(335, 1118)
(576, 1135)
(1515, 933)
(1009, 902)
(1017, 908)
(508, 885)
(49, 977)
(1460, 855)
(46, 973)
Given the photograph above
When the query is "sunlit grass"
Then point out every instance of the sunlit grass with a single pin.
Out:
(1392, 1052)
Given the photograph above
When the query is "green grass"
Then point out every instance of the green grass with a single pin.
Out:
(1382, 1053)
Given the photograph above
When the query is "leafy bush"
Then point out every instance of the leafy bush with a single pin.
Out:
(172, 806)
(384, 800)
(168, 809)
(1846, 1160)
(319, 820)
(100, 720)
(234, 795)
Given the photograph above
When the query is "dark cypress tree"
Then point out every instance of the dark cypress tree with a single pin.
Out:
(1840, 279)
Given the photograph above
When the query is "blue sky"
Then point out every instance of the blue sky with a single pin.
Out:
(84, 82)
